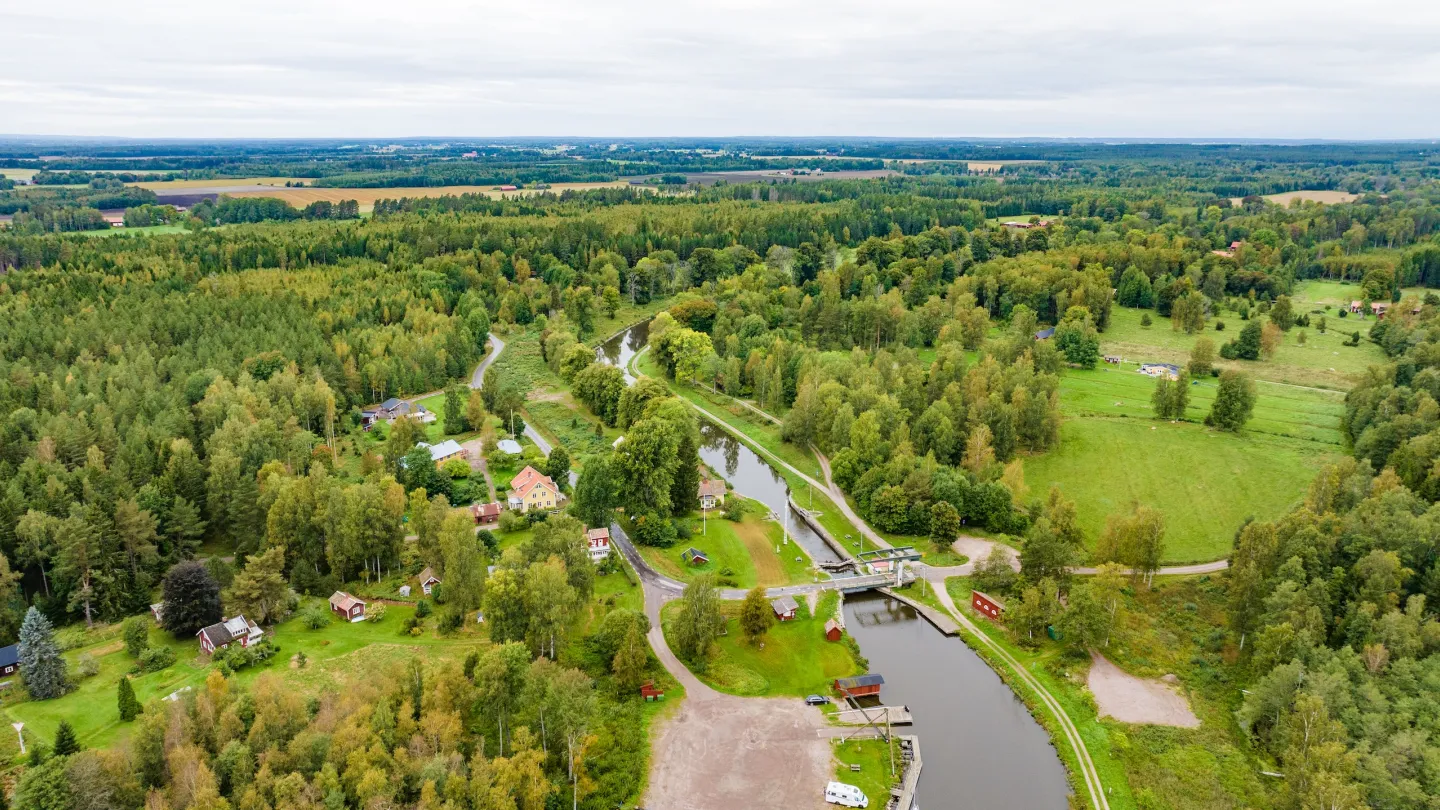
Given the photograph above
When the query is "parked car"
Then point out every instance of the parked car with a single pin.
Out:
(816, 700)
(845, 795)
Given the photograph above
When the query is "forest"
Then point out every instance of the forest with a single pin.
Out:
(171, 396)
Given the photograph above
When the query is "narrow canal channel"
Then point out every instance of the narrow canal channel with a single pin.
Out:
(981, 747)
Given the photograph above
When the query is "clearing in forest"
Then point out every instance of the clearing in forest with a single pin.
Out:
(1129, 699)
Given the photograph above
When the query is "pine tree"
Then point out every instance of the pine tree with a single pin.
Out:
(65, 740)
(129, 706)
(192, 599)
(40, 661)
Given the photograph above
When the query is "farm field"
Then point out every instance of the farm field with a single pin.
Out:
(300, 197)
(746, 550)
(1320, 196)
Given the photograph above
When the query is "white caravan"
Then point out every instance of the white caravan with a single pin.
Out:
(845, 795)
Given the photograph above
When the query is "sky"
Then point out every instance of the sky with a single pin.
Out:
(636, 68)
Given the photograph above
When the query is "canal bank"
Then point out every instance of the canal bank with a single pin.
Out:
(980, 739)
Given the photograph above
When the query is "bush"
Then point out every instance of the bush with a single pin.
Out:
(156, 659)
(235, 657)
(374, 613)
(422, 609)
(487, 538)
(1146, 320)
(683, 530)
(1219, 326)
(86, 665)
(315, 617)
(511, 522)
(451, 620)
(734, 509)
(137, 635)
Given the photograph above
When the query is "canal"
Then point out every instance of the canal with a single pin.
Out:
(981, 747)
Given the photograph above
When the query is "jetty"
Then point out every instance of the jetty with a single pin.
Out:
(897, 716)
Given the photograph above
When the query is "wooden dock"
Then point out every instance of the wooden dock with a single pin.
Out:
(898, 716)
(903, 798)
(942, 620)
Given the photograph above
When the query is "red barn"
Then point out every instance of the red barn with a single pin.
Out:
(833, 630)
(987, 605)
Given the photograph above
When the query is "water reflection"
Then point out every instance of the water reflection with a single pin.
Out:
(618, 350)
(980, 744)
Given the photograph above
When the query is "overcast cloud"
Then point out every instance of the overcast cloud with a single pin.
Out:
(363, 68)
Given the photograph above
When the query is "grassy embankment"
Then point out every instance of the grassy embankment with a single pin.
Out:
(742, 555)
(1171, 629)
(796, 660)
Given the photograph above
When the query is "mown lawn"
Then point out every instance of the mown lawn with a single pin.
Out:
(742, 555)
(795, 660)
(1206, 482)
(873, 757)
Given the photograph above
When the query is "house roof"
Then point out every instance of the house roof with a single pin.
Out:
(832, 624)
(444, 449)
(597, 534)
(509, 446)
(427, 575)
(10, 656)
(859, 681)
(712, 486)
(784, 604)
(491, 509)
(344, 601)
(692, 552)
(390, 404)
(222, 633)
(528, 479)
(997, 602)
(1045, 334)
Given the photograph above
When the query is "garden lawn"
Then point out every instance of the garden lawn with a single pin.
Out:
(92, 708)
(1206, 482)
(873, 757)
(742, 555)
(796, 659)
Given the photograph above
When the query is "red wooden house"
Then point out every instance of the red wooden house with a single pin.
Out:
(352, 609)
(860, 685)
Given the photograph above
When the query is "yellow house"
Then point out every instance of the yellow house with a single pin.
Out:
(532, 490)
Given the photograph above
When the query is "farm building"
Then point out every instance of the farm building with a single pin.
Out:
(509, 446)
(1379, 309)
(986, 604)
(348, 606)
(1169, 370)
(833, 630)
(599, 542)
(533, 490)
(860, 685)
(712, 493)
(486, 514)
(428, 580)
(694, 556)
(221, 635)
(784, 608)
(10, 659)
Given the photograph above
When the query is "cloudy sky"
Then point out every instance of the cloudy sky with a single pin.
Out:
(365, 68)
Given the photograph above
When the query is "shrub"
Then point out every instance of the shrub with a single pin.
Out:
(374, 613)
(422, 609)
(1219, 326)
(1146, 320)
(315, 617)
(511, 522)
(137, 635)
(682, 530)
(156, 659)
(734, 509)
(235, 657)
(451, 620)
(87, 666)
(300, 660)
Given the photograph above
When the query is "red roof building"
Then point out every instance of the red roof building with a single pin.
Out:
(486, 514)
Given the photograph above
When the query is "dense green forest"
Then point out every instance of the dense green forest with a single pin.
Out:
(167, 392)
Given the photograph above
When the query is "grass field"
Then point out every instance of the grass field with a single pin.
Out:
(1205, 482)
(796, 659)
(1320, 196)
(1322, 362)
(873, 757)
(148, 229)
(745, 549)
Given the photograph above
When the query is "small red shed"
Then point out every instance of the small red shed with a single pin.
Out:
(651, 692)
(860, 685)
(986, 604)
(833, 630)
(486, 514)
